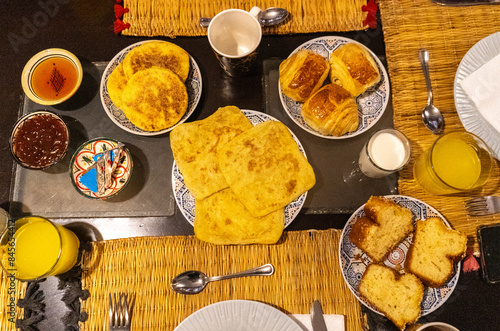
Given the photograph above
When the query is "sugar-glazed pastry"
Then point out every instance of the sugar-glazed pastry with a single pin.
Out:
(332, 110)
(302, 74)
(353, 68)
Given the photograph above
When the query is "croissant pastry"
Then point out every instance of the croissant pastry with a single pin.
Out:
(332, 110)
(302, 74)
(353, 68)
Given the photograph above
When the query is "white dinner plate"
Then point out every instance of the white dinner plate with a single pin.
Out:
(193, 85)
(238, 315)
(354, 261)
(471, 118)
(186, 202)
(371, 104)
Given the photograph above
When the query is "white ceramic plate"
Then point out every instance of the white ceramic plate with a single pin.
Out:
(193, 85)
(371, 104)
(471, 118)
(238, 315)
(186, 202)
(354, 261)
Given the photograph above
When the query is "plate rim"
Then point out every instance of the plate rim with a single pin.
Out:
(194, 68)
(453, 280)
(469, 115)
(230, 302)
(347, 135)
(301, 198)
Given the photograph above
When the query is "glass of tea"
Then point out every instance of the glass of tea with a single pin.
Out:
(52, 76)
(34, 247)
(39, 140)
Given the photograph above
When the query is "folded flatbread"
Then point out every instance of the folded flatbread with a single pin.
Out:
(195, 144)
(222, 219)
(265, 168)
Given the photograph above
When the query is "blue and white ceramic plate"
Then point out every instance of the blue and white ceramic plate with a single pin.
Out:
(186, 202)
(371, 104)
(234, 315)
(193, 85)
(354, 261)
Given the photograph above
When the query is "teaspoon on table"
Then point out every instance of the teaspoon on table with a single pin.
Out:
(268, 17)
(193, 282)
(432, 117)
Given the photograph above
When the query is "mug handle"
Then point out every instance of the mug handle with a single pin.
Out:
(255, 11)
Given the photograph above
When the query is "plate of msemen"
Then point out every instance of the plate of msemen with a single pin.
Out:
(238, 315)
(354, 261)
(482, 52)
(193, 85)
(371, 104)
(186, 201)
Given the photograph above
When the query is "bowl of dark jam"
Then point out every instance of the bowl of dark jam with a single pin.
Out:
(39, 140)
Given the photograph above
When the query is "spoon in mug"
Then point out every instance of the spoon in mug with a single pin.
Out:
(431, 116)
(268, 17)
(193, 282)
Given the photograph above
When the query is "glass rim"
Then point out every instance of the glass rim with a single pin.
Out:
(476, 138)
(7, 233)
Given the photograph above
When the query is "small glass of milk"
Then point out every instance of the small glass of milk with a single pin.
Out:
(386, 152)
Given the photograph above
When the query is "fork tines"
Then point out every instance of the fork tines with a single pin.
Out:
(480, 206)
(119, 314)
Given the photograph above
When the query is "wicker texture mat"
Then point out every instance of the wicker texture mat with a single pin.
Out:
(448, 33)
(10, 292)
(180, 18)
(306, 263)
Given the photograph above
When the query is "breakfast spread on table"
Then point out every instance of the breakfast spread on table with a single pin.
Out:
(242, 174)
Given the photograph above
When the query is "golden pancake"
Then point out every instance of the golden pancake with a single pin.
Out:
(265, 168)
(194, 146)
(160, 54)
(116, 83)
(222, 219)
(154, 99)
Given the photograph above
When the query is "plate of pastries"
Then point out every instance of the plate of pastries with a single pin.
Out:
(150, 87)
(333, 87)
(239, 176)
(400, 257)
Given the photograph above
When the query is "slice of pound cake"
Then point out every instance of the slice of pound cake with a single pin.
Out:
(384, 226)
(397, 296)
(434, 250)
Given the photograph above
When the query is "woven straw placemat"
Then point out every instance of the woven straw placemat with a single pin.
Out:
(448, 33)
(10, 291)
(180, 18)
(306, 268)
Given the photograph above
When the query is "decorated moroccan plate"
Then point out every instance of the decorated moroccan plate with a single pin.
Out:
(354, 261)
(241, 315)
(371, 104)
(193, 85)
(83, 159)
(186, 201)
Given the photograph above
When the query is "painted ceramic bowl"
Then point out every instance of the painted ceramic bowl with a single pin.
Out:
(83, 159)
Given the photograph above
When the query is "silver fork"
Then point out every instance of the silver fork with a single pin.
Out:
(119, 313)
(481, 206)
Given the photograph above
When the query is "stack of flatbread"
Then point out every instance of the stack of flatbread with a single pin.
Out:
(148, 85)
(241, 176)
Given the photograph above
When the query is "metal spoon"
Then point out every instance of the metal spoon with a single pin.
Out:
(431, 116)
(193, 282)
(268, 17)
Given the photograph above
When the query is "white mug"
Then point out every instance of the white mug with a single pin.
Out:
(234, 35)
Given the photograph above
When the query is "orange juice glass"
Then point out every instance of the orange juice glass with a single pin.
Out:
(456, 162)
(35, 248)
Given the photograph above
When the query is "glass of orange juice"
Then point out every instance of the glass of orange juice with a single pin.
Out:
(456, 162)
(33, 248)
